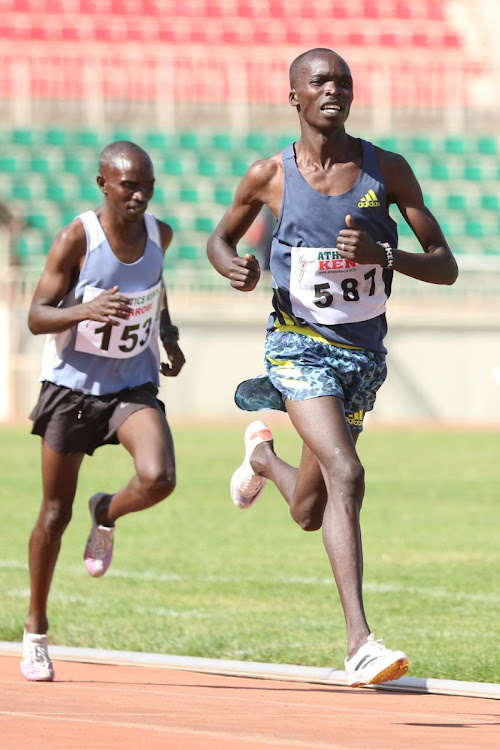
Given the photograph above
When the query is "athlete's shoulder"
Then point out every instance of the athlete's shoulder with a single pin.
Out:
(263, 171)
(166, 233)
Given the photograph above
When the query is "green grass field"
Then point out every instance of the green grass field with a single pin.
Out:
(197, 576)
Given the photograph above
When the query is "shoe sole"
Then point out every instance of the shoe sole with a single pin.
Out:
(393, 672)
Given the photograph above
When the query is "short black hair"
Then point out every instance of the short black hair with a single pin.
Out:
(297, 63)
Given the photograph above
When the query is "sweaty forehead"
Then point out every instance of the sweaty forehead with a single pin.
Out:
(130, 164)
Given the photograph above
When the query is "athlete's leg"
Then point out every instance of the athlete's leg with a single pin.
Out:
(303, 488)
(59, 480)
(321, 424)
(146, 436)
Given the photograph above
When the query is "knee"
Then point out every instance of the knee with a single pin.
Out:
(308, 522)
(350, 482)
(53, 521)
(157, 486)
(309, 515)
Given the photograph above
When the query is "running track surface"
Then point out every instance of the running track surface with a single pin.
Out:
(103, 706)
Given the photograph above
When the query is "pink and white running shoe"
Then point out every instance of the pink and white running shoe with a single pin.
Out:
(36, 665)
(246, 485)
(99, 549)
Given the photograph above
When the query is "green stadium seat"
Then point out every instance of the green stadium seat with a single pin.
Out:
(439, 171)
(223, 196)
(454, 145)
(216, 167)
(74, 165)
(23, 137)
(473, 173)
(190, 141)
(67, 216)
(490, 202)
(474, 228)
(22, 191)
(207, 167)
(456, 202)
(90, 192)
(173, 221)
(239, 166)
(9, 164)
(421, 145)
(121, 134)
(56, 137)
(204, 224)
(188, 195)
(487, 145)
(174, 166)
(159, 195)
(87, 138)
(256, 142)
(40, 164)
(37, 221)
(155, 139)
(188, 252)
(223, 142)
(56, 192)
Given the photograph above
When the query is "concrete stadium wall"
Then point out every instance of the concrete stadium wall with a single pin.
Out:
(444, 358)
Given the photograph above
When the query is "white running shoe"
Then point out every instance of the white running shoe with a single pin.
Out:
(373, 663)
(99, 548)
(246, 485)
(36, 665)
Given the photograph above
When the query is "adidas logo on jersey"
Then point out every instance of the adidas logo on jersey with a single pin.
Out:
(369, 200)
(355, 418)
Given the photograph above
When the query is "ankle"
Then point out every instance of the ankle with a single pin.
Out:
(260, 457)
(102, 512)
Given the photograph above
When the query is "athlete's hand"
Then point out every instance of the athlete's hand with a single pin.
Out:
(108, 306)
(355, 244)
(244, 273)
(175, 356)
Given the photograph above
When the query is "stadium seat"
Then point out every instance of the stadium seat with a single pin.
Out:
(487, 146)
(473, 173)
(223, 196)
(490, 202)
(454, 146)
(456, 202)
(440, 171)
(205, 224)
(474, 228)
(87, 138)
(56, 137)
(188, 194)
(173, 165)
(188, 252)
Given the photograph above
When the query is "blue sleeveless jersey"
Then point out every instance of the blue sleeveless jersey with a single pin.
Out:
(81, 371)
(317, 292)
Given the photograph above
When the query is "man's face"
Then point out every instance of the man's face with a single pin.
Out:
(323, 91)
(128, 183)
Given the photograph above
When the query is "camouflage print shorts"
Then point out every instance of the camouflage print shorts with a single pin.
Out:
(300, 367)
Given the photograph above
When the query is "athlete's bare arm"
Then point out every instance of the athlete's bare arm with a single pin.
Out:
(59, 275)
(437, 264)
(262, 184)
(168, 334)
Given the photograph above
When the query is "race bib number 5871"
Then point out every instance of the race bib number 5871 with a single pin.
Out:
(128, 337)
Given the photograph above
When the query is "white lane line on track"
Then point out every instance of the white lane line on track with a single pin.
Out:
(372, 587)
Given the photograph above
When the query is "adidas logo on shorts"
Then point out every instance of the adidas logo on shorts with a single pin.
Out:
(369, 200)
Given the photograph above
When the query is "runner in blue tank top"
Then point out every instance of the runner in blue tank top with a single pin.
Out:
(101, 301)
(333, 255)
